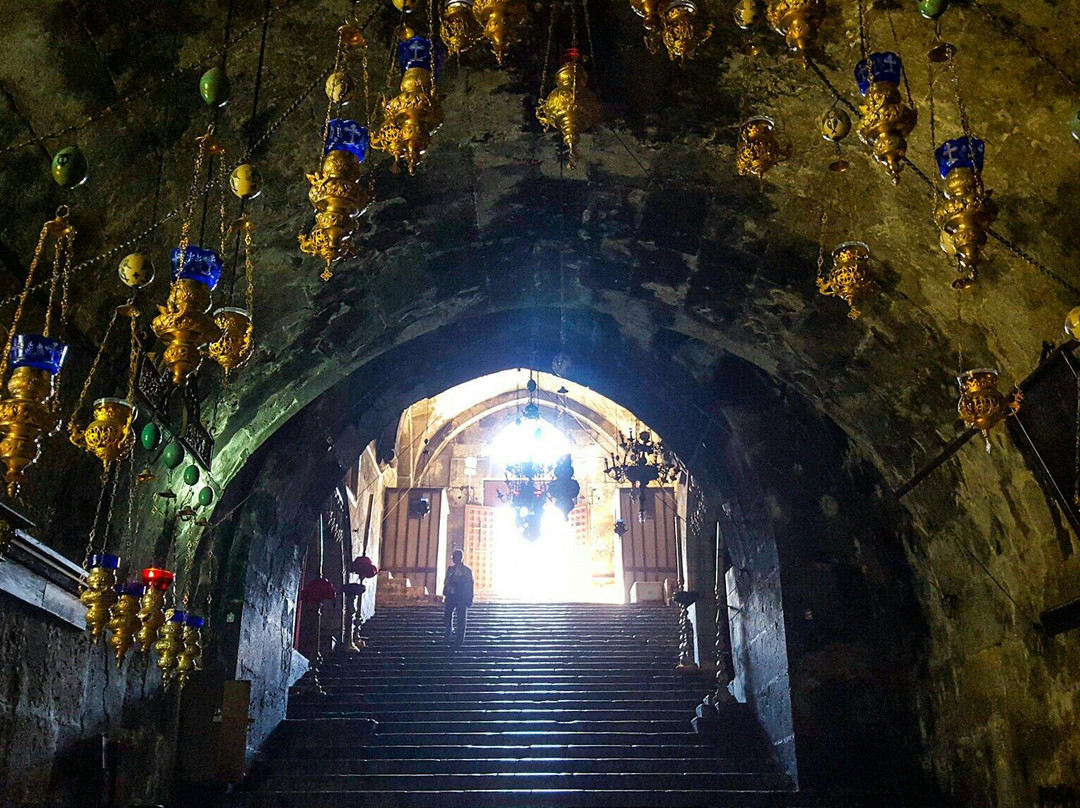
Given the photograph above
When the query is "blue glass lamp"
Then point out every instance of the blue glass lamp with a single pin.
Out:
(103, 560)
(200, 264)
(416, 52)
(37, 351)
(885, 66)
(346, 135)
(960, 152)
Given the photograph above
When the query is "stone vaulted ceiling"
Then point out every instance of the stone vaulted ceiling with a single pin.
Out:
(653, 227)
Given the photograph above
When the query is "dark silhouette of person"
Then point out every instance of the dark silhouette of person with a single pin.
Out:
(457, 598)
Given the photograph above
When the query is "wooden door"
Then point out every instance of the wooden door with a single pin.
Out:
(648, 546)
(414, 546)
(479, 542)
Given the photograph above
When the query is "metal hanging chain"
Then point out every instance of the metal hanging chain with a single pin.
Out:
(94, 367)
(589, 39)
(861, 6)
(5, 355)
(896, 47)
(115, 469)
(821, 244)
(547, 50)
(92, 537)
(211, 57)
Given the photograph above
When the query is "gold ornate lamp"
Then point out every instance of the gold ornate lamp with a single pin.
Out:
(236, 344)
(797, 20)
(124, 618)
(684, 28)
(337, 193)
(460, 29)
(500, 21)
(184, 323)
(412, 116)
(758, 148)
(151, 614)
(885, 120)
(190, 657)
(99, 592)
(169, 644)
(982, 406)
(571, 107)
(849, 278)
(28, 411)
(964, 211)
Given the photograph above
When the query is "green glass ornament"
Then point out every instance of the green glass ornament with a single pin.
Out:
(69, 167)
(1074, 125)
(206, 495)
(191, 474)
(932, 9)
(214, 87)
(150, 436)
(173, 455)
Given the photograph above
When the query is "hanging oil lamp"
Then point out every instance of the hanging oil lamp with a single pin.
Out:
(169, 644)
(500, 21)
(338, 195)
(99, 592)
(571, 107)
(964, 211)
(758, 148)
(190, 657)
(849, 277)
(236, 344)
(982, 406)
(151, 614)
(649, 11)
(460, 29)
(797, 21)
(641, 459)
(684, 28)
(28, 411)
(124, 618)
(412, 116)
(336, 191)
(184, 323)
(885, 120)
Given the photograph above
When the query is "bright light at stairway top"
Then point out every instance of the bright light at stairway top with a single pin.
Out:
(526, 439)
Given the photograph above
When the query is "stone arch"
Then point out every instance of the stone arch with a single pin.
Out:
(729, 426)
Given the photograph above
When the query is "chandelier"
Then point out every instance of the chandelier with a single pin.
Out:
(640, 458)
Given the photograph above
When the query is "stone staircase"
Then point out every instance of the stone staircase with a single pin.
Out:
(545, 705)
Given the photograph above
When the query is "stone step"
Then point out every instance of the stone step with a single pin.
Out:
(460, 765)
(324, 737)
(438, 716)
(655, 797)
(356, 783)
(508, 750)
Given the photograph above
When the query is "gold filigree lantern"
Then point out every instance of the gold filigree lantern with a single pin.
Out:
(124, 618)
(28, 410)
(151, 612)
(797, 21)
(758, 148)
(190, 658)
(885, 120)
(685, 29)
(337, 191)
(571, 107)
(184, 324)
(964, 211)
(412, 117)
(982, 406)
(233, 349)
(98, 592)
(169, 644)
(849, 277)
(500, 21)
(460, 29)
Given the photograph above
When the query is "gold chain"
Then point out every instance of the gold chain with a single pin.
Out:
(249, 271)
(6, 357)
(93, 370)
(193, 192)
(821, 245)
